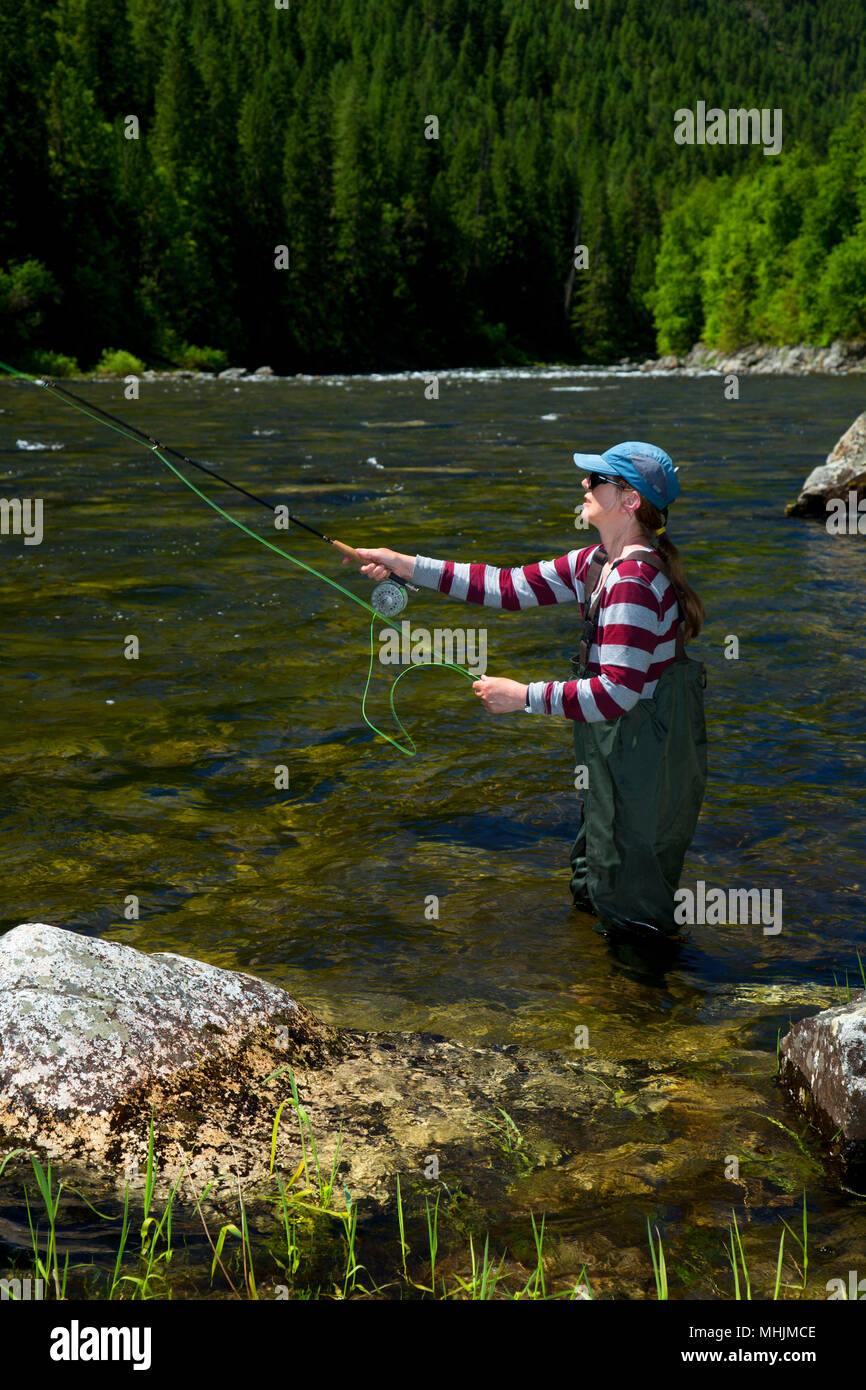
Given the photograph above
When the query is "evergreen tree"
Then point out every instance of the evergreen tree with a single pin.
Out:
(305, 127)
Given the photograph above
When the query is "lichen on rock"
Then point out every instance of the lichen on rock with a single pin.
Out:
(98, 1037)
(823, 1067)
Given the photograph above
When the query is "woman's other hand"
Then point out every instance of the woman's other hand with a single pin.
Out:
(500, 696)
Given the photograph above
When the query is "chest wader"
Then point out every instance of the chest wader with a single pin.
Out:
(646, 774)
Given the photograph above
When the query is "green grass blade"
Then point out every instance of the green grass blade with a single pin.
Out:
(779, 1268)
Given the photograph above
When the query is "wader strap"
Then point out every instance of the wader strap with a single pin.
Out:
(590, 620)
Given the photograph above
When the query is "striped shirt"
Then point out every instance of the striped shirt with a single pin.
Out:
(635, 638)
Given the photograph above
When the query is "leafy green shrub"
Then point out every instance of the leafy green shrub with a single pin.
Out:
(54, 364)
(199, 359)
(116, 362)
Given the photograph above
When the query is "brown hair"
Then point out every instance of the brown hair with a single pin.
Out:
(691, 608)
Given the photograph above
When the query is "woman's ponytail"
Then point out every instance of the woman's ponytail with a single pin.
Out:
(691, 608)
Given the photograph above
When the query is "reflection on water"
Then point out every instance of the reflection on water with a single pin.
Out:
(156, 777)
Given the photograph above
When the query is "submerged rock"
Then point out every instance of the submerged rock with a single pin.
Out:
(97, 1036)
(844, 472)
(823, 1066)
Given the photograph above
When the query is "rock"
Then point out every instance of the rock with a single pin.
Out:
(770, 361)
(263, 371)
(823, 1066)
(830, 359)
(731, 365)
(844, 471)
(752, 354)
(97, 1019)
(231, 373)
(95, 1032)
(97, 1035)
(795, 359)
(841, 356)
(699, 356)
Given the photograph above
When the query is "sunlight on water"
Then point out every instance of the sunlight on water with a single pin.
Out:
(155, 777)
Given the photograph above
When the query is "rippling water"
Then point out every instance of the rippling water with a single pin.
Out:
(155, 777)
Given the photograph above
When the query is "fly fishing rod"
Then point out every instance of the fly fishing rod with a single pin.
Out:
(388, 598)
(390, 595)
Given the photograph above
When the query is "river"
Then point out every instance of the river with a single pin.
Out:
(154, 778)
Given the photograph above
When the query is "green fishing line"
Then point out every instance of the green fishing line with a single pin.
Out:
(412, 750)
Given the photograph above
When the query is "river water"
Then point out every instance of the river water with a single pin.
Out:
(155, 777)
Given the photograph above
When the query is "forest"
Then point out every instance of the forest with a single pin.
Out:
(335, 185)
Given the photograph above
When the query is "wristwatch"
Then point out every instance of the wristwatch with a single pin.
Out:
(527, 708)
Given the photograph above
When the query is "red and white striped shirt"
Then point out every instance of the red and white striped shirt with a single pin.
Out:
(635, 637)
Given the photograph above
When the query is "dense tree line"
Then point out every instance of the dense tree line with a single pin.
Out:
(777, 255)
(306, 126)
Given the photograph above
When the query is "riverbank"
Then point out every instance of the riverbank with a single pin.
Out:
(841, 358)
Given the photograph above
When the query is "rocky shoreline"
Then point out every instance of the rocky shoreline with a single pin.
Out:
(841, 358)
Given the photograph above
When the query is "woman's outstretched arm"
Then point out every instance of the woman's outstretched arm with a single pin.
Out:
(636, 628)
(526, 586)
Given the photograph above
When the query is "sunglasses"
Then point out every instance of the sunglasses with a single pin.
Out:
(596, 479)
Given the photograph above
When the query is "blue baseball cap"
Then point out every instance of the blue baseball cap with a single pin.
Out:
(648, 469)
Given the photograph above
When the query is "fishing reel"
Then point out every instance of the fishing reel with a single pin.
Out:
(390, 597)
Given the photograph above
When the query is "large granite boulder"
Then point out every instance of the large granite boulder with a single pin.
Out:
(97, 1036)
(85, 1021)
(823, 1066)
(844, 472)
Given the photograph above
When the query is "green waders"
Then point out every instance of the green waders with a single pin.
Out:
(646, 774)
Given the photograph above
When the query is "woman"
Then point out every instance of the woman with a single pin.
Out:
(636, 702)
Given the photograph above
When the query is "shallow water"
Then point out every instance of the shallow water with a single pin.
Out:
(155, 777)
